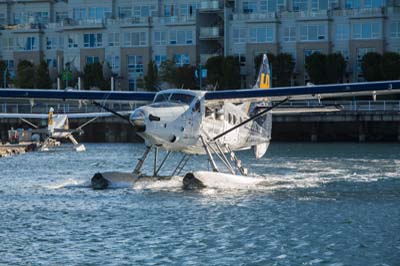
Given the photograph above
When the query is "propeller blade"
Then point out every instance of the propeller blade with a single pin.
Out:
(250, 119)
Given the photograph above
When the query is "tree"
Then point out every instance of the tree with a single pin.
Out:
(215, 66)
(3, 67)
(371, 66)
(151, 79)
(93, 76)
(25, 75)
(335, 68)
(390, 66)
(282, 70)
(168, 71)
(316, 68)
(184, 77)
(231, 73)
(43, 80)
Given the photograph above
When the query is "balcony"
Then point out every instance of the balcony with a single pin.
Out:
(360, 13)
(255, 17)
(176, 20)
(71, 24)
(210, 33)
(130, 22)
(306, 15)
(210, 6)
(25, 28)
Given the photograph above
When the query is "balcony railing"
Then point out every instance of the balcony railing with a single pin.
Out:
(353, 106)
(210, 32)
(175, 20)
(362, 12)
(210, 5)
(255, 16)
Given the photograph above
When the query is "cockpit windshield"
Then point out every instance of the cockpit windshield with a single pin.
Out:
(174, 98)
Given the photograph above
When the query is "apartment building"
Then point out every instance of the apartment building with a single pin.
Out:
(127, 33)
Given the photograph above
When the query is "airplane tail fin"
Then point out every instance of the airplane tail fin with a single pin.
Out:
(264, 75)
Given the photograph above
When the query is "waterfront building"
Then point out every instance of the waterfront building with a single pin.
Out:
(127, 33)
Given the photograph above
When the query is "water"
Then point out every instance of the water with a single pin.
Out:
(327, 204)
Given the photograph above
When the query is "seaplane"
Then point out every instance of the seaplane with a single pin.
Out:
(216, 124)
(58, 128)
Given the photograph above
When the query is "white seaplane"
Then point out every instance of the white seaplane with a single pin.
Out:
(58, 128)
(214, 124)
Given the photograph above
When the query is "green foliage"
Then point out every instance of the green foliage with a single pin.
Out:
(215, 67)
(184, 77)
(390, 66)
(335, 68)
(25, 75)
(168, 71)
(282, 70)
(93, 76)
(43, 80)
(3, 67)
(224, 72)
(231, 73)
(371, 66)
(151, 79)
(316, 68)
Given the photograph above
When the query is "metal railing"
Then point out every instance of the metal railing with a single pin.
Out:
(353, 106)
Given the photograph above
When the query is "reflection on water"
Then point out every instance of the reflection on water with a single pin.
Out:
(323, 204)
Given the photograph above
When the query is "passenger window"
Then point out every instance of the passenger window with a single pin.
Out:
(229, 118)
(197, 106)
(234, 119)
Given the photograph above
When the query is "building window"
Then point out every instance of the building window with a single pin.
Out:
(73, 40)
(249, 7)
(395, 30)
(299, 5)
(135, 39)
(60, 16)
(54, 42)
(180, 37)
(170, 11)
(92, 59)
(160, 38)
(114, 62)
(99, 13)
(159, 59)
(124, 12)
(11, 67)
(239, 35)
(313, 32)
(51, 63)
(373, 3)
(182, 59)
(366, 31)
(7, 43)
(92, 40)
(27, 44)
(262, 35)
(135, 64)
(289, 34)
(2, 19)
(113, 39)
(79, 13)
(342, 32)
(350, 4)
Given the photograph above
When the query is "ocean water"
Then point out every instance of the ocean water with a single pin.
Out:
(325, 204)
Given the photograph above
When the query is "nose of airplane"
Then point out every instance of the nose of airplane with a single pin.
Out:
(137, 119)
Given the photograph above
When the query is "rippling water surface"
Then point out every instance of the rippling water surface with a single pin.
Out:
(327, 204)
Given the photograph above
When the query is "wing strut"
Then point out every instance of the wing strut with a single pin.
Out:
(251, 119)
(113, 112)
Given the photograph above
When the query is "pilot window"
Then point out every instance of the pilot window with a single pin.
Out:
(162, 97)
(181, 98)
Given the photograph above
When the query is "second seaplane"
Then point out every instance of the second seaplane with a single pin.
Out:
(215, 124)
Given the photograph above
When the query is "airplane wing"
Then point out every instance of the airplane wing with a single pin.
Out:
(130, 96)
(316, 92)
(69, 115)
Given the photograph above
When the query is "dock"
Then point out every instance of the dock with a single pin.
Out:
(7, 150)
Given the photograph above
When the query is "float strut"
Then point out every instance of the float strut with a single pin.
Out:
(155, 161)
(141, 160)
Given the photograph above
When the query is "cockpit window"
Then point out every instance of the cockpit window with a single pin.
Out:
(162, 97)
(181, 98)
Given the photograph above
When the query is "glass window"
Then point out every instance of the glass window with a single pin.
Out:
(92, 40)
(249, 6)
(239, 35)
(182, 59)
(124, 12)
(113, 39)
(342, 32)
(114, 62)
(159, 59)
(313, 32)
(395, 30)
(262, 35)
(135, 39)
(181, 98)
(160, 38)
(92, 59)
(135, 64)
(289, 34)
(299, 5)
(368, 30)
(79, 13)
